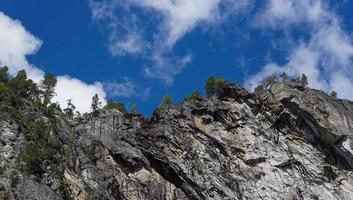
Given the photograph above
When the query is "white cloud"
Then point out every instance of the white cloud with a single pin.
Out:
(171, 20)
(283, 13)
(326, 57)
(79, 92)
(17, 43)
(342, 84)
(328, 49)
(181, 16)
(178, 18)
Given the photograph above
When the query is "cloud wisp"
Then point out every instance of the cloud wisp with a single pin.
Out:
(129, 22)
(125, 89)
(17, 43)
(325, 57)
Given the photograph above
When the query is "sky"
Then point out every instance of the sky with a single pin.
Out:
(136, 51)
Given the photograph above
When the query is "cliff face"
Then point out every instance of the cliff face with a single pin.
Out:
(286, 142)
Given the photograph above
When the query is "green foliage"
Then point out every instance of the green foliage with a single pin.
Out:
(221, 83)
(38, 105)
(78, 117)
(19, 84)
(4, 195)
(48, 87)
(90, 150)
(4, 77)
(4, 165)
(36, 130)
(193, 96)
(333, 94)
(3, 169)
(69, 110)
(21, 76)
(20, 89)
(215, 87)
(167, 100)
(21, 99)
(14, 178)
(304, 80)
(18, 92)
(33, 157)
(3, 91)
(115, 105)
(50, 110)
(41, 147)
(90, 196)
(96, 104)
(210, 86)
(3, 96)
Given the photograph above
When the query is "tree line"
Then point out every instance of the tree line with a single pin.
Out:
(14, 90)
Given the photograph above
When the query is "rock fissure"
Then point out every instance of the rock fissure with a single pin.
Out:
(284, 142)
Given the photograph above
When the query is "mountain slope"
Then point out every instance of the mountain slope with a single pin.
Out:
(286, 142)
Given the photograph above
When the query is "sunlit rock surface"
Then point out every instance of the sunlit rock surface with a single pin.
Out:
(285, 142)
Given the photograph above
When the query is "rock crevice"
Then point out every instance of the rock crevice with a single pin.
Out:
(285, 142)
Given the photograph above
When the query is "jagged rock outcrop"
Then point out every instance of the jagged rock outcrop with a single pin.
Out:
(329, 120)
(285, 142)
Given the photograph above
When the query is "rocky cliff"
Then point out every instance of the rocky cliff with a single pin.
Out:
(285, 142)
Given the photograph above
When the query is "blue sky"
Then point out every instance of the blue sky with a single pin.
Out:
(136, 51)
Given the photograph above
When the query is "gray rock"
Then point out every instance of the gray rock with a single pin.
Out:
(286, 142)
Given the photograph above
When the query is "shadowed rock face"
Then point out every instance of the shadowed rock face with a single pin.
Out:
(286, 142)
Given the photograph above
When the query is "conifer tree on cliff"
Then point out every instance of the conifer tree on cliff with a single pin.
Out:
(48, 88)
(96, 104)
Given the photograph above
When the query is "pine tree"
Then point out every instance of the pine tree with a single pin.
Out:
(3, 82)
(333, 94)
(96, 104)
(4, 77)
(48, 88)
(220, 83)
(215, 87)
(19, 87)
(69, 110)
(19, 82)
(304, 80)
(193, 96)
(166, 101)
(210, 86)
(115, 105)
